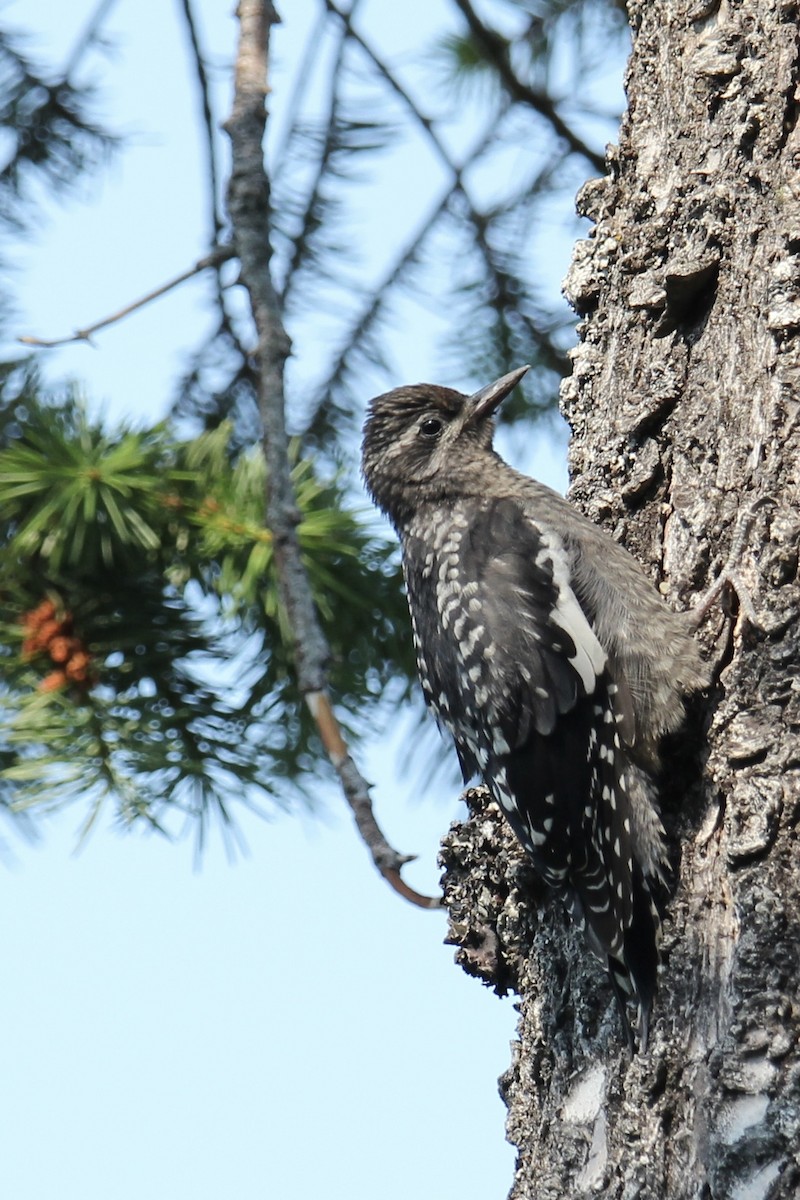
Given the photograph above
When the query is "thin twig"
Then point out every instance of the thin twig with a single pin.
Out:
(208, 119)
(217, 220)
(88, 36)
(314, 192)
(248, 206)
(293, 103)
(218, 255)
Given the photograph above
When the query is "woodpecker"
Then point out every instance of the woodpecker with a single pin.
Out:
(546, 653)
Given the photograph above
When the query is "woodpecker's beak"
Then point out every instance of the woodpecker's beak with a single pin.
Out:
(486, 401)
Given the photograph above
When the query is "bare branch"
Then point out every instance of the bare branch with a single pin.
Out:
(356, 790)
(248, 205)
(218, 255)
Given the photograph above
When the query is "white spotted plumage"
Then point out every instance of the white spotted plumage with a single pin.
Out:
(545, 653)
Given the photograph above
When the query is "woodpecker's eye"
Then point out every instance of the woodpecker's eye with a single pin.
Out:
(431, 427)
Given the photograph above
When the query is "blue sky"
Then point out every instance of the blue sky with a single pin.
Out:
(282, 1025)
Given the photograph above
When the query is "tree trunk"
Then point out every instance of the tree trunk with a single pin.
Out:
(686, 441)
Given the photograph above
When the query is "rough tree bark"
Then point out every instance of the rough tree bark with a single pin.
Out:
(685, 417)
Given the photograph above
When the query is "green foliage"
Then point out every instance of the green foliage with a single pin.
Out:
(79, 500)
(146, 656)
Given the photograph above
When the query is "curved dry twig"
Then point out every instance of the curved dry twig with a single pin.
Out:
(248, 206)
(218, 255)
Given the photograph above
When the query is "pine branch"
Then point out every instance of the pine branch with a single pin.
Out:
(425, 122)
(507, 298)
(248, 203)
(496, 50)
(377, 300)
(313, 196)
(479, 221)
(549, 355)
(293, 104)
(49, 134)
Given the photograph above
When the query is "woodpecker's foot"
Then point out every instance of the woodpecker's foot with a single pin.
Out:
(730, 579)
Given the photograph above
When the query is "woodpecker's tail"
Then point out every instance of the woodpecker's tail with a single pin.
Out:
(624, 936)
(634, 976)
(587, 819)
(610, 858)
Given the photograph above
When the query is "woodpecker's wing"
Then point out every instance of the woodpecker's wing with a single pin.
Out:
(501, 638)
(512, 666)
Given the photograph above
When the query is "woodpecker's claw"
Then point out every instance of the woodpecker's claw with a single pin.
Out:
(729, 578)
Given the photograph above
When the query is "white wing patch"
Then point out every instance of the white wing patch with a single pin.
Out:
(589, 659)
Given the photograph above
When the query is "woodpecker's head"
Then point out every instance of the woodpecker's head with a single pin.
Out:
(422, 442)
